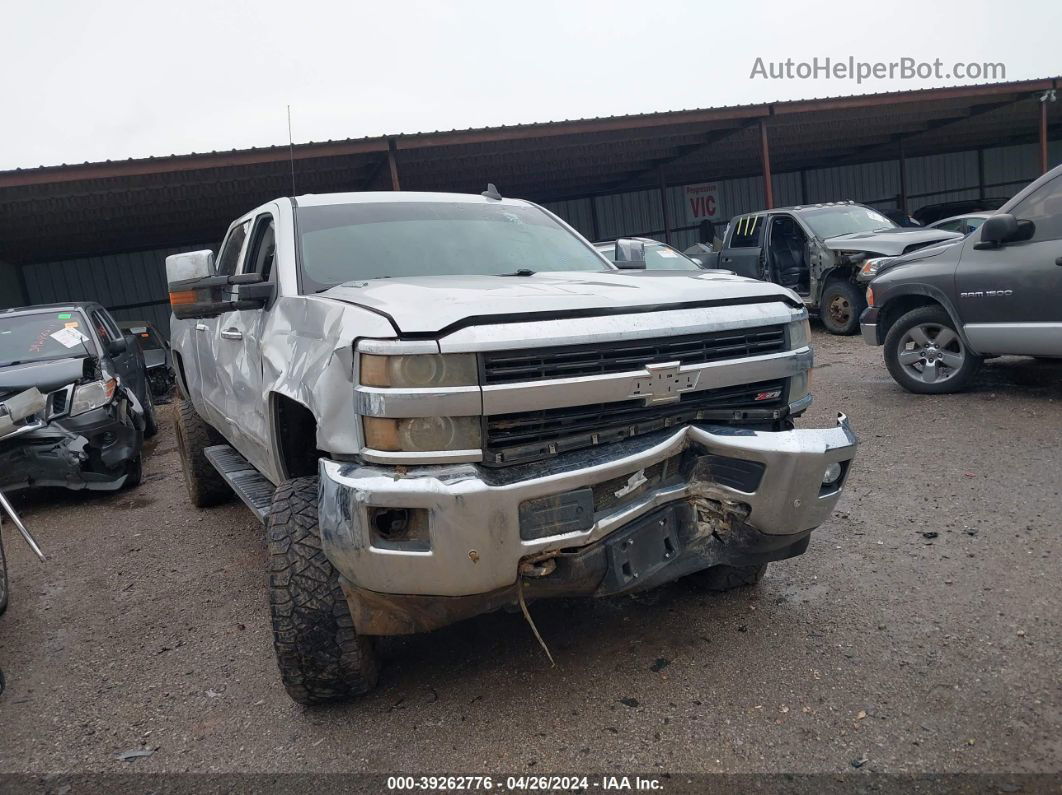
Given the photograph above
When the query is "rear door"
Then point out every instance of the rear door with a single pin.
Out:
(743, 249)
(238, 353)
(1010, 298)
(216, 402)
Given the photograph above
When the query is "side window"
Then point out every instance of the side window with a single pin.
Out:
(102, 329)
(1044, 208)
(958, 225)
(748, 232)
(262, 251)
(230, 251)
(973, 224)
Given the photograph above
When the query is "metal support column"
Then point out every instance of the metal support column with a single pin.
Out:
(663, 205)
(1043, 135)
(392, 163)
(981, 174)
(903, 175)
(765, 157)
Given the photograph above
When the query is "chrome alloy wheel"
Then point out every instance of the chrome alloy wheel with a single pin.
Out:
(931, 353)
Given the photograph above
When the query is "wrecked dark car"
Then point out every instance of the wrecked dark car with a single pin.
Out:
(156, 356)
(819, 251)
(89, 406)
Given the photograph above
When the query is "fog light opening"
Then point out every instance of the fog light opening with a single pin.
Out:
(399, 528)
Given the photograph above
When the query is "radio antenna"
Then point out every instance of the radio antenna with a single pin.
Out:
(291, 152)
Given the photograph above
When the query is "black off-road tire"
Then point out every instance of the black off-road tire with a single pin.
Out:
(840, 307)
(151, 422)
(320, 655)
(932, 317)
(205, 485)
(3, 580)
(727, 578)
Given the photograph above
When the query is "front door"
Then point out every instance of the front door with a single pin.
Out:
(743, 252)
(1010, 298)
(217, 406)
(238, 354)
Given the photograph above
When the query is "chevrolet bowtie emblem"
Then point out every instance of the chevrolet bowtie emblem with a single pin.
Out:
(663, 383)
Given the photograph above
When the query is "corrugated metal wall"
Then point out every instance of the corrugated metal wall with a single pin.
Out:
(931, 179)
(133, 285)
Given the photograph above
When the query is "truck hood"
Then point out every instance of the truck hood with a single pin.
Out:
(929, 252)
(889, 243)
(46, 376)
(430, 304)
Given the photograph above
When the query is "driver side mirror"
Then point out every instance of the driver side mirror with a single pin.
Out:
(118, 347)
(998, 230)
(630, 254)
(196, 291)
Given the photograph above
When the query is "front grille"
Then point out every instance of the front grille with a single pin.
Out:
(533, 435)
(58, 402)
(571, 361)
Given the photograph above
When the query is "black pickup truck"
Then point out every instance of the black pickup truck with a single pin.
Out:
(817, 250)
(940, 311)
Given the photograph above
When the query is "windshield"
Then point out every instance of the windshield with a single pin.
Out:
(833, 221)
(658, 257)
(345, 242)
(42, 336)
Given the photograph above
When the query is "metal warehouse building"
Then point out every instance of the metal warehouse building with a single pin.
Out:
(101, 230)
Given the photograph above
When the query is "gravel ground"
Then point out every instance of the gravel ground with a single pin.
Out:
(920, 632)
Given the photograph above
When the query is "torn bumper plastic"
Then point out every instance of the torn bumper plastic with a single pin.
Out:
(89, 451)
(483, 523)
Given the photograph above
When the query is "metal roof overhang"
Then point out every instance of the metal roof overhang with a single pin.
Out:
(94, 208)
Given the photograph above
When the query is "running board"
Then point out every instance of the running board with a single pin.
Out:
(250, 485)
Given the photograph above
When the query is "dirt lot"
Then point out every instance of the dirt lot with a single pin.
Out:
(920, 632)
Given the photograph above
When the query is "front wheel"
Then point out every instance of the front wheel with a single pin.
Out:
(321, 656)
(840, 307)
(925, 354)
(151, 422)
(3, 580)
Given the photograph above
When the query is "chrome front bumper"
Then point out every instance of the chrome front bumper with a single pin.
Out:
(475, 518)
(474, 513)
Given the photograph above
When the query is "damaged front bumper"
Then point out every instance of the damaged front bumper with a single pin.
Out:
(89, 451)
(725, 495)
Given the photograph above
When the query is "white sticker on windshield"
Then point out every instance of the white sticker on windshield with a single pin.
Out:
(68, 337)
(664, 252)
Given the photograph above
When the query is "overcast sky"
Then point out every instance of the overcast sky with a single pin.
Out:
(94, 80)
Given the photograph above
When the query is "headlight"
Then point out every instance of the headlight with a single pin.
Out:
(799, 333)
(422, 434)
(871, 267)
(419, 370)
(93, 396)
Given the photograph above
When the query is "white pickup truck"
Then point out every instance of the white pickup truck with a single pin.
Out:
(441, 405)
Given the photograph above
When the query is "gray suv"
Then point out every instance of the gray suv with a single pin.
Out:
(940, 311)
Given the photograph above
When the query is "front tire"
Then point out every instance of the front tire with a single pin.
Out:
(926, 355)
(205, 485)
(151, 422)
(321, 656)
(727, 578)
(840, 307)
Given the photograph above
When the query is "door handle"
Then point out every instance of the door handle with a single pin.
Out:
(200, 326)
(232, 334)
(1058, 260)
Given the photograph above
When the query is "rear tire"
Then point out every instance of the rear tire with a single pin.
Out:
(3, 580)
(320, 655)
(205, 485)
(926, 355)
(840, 307)
(727, 578)
(151, 422)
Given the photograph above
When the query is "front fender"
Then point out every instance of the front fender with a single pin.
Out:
(926, 291)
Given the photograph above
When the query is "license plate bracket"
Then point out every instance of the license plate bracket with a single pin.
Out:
(643, 548)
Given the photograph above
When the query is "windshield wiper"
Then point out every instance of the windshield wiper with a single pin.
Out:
(520, 272)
